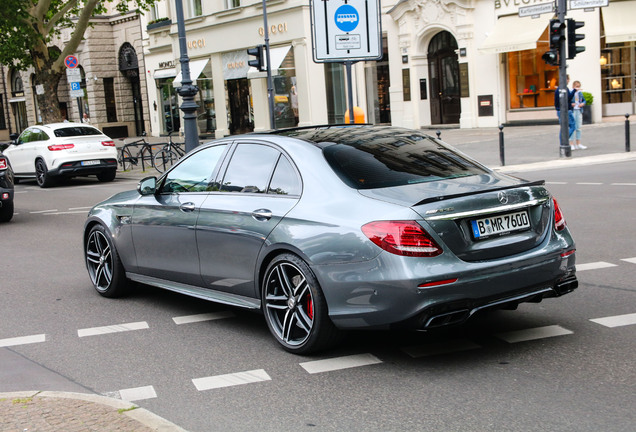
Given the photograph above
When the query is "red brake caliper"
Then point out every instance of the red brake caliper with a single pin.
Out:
(310, 307)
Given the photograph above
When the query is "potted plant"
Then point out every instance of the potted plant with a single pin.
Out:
(159, 22)
(587, 109)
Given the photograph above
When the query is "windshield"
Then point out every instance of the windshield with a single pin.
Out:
(76, 131)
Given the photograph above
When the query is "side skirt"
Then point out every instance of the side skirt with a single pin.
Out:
(198, 292)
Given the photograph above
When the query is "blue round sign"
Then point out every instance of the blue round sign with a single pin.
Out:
(347, 18)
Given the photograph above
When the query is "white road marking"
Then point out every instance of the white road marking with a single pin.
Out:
(43, 211)
(229, 380)
(594, 266)
(112, 329)
(589, 184)
(623, 184)
(68, 212)
(138, 393)
(556, 183)
(616, 321)
(328, 365)
(440, 348)
(630, 260)
(80, 208)
(23, 340)
(188, 319)
(533, 334)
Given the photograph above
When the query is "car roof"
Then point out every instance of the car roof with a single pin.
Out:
(351, 135)
(61, 125)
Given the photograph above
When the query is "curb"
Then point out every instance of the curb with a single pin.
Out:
(133, 411)
(568, 163)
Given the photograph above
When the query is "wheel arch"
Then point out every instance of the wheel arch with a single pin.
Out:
(267, 256)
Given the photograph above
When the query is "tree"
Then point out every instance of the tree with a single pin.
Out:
(28, 29)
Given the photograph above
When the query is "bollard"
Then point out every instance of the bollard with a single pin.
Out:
(439, 133)
(502, 156)
(627, 139)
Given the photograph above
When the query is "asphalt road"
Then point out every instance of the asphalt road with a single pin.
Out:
(546, 366)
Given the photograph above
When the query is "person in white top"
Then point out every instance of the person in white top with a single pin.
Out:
(577, 103)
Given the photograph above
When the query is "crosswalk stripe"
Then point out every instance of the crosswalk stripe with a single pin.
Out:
(22, 340)
(112, 329)
(188, 319)
(233, 379)
(332, 364)
(594, 266)
(616, 321)
(138, 393)
(630, 260)
(533, 334)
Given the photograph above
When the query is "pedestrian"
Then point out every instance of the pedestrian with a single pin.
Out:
(86, 119)
(557, 106)
(577, 111)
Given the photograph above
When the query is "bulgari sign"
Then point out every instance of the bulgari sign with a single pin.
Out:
(508, 7)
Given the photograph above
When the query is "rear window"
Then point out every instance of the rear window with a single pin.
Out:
(76, 131)
(371, 158)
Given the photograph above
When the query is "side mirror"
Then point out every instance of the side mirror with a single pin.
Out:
(14, 138)
(147, 186)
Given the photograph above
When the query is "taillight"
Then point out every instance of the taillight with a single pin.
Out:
(108, 143)
(3, 163)
(406, 238)
(559, 219)
(58, 147)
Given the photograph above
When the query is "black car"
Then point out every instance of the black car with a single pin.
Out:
(6, 190)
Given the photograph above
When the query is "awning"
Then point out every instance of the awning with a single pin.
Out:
(165, 73)
(512, 33)
(17, 99)
(277, 57)
(196, 67)
(618, 21)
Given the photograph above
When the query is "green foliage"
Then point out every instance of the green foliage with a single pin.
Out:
(28, 28)
(589, 99)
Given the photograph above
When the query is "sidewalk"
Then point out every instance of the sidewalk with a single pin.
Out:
(75, 412)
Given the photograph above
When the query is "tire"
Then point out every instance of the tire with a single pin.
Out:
(295, 308)
(126, 159)
(6, 211)
(107, 176)
(42, 175)
(164, 160)
(104, 266)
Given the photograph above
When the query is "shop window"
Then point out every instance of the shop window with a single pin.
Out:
(109, 100)
(206, 114)
(378, 82)
(335, 88)
(169, 106)
(531, 82)
(617, 70)
(286, 93)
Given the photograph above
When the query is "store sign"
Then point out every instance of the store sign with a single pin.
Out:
(507, 7)
(588, 4)
(235, 65)
(274, 29)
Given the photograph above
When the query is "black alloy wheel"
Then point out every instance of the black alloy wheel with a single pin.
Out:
(295, 308)
(103, 264)
(42, 175)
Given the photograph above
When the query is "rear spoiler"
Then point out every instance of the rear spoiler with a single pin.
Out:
(447, 197)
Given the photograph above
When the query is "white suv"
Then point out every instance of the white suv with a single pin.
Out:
(47, 152)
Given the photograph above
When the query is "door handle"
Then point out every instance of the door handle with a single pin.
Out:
(262, 215)
(187, 207)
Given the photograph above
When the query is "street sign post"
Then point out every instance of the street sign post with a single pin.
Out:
(536, 10)
(588, 4)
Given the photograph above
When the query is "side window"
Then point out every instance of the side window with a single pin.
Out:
(194, 174)
(250, 169)
(285, 180)
(25, 137)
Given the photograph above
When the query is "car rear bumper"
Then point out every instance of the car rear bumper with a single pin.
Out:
(392, 291)
(79, 168)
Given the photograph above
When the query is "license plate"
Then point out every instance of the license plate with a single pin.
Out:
(91, 162)
(501, 224)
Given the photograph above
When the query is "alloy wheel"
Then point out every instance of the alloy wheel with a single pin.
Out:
(99, 260)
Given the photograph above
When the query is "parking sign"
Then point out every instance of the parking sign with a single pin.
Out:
(346, 31)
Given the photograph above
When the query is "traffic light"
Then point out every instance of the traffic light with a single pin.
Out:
(556, 35)
(573, 38)
(258, 62)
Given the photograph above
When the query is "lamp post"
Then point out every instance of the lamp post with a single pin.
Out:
(187, 91)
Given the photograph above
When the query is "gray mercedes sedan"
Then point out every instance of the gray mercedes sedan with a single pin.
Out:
(325, 229)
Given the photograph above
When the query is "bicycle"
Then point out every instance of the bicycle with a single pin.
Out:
(127, 160)
(169, 154)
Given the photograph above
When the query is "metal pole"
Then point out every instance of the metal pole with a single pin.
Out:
(350, 91)
(270, 83)
(627, 138)
(502, 154)
(439, 134)
(187, 91)
(564, 144)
